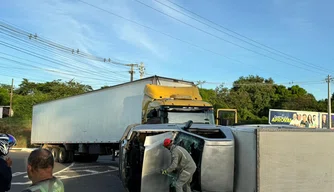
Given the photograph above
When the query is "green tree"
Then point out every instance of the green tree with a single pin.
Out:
(31, 93)
(22, 105)
(252, 96)
(4, 96)
(26, 87)
(297, 98)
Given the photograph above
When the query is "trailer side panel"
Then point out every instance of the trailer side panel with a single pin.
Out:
(97, 117)
(299, 160)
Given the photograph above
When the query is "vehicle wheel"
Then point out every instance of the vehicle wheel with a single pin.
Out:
(70, 158)
(63, 155)
(55, 154)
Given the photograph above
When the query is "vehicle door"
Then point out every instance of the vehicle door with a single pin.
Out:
(156, 157)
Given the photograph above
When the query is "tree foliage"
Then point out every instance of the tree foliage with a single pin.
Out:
(252, 96)
(4, 96)
(31, 93)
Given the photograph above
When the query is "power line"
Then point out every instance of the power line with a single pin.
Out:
(44, 58)
(285, 54)
(170, 36)
(19, 76)
(58, 46)
(60, 55)
(54, 71)
(266, 84)
(256, 84)
(220, 38)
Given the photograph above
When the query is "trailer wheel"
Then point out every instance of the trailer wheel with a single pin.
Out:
(63, 155)
(55, 153)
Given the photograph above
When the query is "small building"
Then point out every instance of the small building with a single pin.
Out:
(4, 111)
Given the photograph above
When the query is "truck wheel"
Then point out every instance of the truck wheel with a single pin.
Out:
(55, 153)
(70, 158)
(63, 155)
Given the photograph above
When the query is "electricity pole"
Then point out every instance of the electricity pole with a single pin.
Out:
(141, 70)
(11, 99)
(200, 83)
(132, 70)
(329, 79)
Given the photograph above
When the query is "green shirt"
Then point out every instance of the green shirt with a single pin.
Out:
(49, 185)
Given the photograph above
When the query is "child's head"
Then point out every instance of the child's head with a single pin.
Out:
(6, 142)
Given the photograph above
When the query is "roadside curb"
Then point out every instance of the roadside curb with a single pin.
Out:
(23, 149)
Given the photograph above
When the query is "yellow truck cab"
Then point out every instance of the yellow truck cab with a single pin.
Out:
(166, 104)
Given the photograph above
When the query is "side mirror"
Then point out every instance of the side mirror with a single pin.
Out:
(188, 124)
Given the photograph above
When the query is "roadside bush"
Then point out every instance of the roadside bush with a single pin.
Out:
(20, 128)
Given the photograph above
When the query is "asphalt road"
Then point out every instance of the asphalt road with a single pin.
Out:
(85, 177)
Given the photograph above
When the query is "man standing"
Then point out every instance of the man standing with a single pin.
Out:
(181, 162)
(6, 142)
(324, 122)
(295, 121)
(39, 169)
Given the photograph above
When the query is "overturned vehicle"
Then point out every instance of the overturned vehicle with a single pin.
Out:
(142, 156)
(244, 158)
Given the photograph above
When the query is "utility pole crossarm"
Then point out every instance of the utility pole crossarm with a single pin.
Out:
(140, 67)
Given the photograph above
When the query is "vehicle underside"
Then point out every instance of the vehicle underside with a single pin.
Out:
(135, 152)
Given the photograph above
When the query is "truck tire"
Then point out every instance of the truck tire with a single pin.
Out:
(55, 153)
(63, 155)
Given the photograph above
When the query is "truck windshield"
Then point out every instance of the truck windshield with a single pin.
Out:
(201, 116)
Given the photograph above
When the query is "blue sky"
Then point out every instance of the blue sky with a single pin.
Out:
(301, 28)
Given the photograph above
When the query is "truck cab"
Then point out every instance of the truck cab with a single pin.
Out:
(166, 104)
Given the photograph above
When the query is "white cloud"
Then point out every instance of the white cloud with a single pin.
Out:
(85, 28)
(132, 33)
(140, 39)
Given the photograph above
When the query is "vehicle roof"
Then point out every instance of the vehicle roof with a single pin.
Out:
(161, 92)
(189, 103)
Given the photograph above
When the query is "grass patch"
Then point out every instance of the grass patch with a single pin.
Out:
(19, 128)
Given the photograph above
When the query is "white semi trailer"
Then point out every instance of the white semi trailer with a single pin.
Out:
(91, 124)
